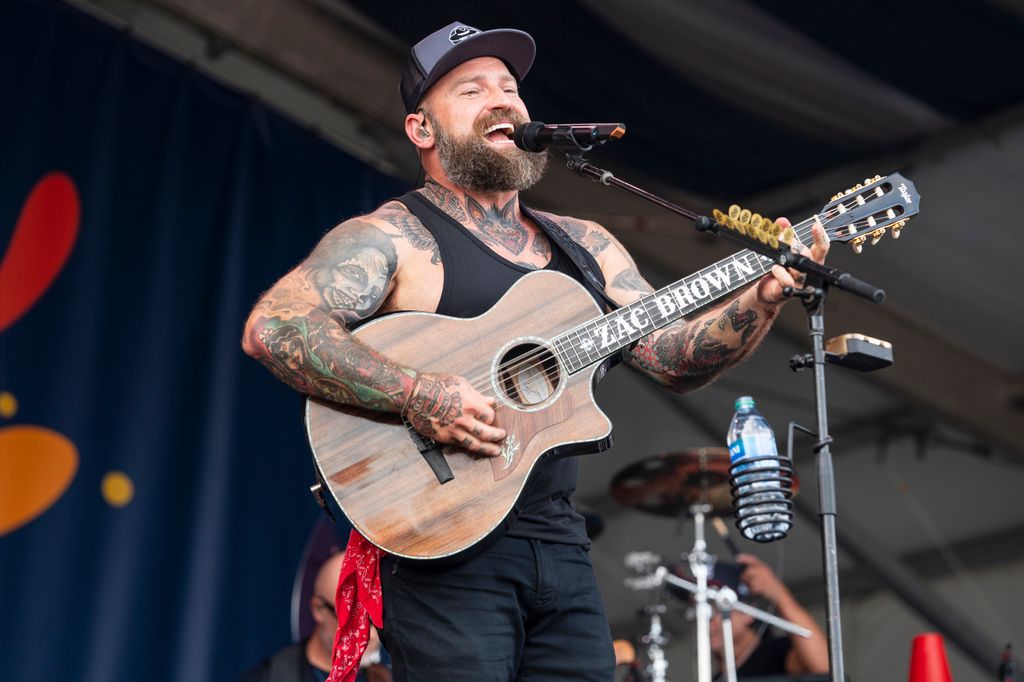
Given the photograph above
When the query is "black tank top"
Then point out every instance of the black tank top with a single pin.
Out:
(475, 277)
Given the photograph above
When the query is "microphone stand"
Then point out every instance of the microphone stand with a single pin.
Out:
(813, 294)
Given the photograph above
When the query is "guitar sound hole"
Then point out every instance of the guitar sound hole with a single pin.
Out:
(528, 374)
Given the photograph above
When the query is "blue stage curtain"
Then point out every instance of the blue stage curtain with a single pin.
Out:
(193, 199)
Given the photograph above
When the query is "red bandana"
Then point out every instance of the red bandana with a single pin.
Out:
(357, 601)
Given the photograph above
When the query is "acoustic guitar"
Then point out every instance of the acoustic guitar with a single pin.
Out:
(539, 352)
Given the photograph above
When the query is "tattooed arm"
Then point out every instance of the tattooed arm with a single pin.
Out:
(299, 331)
(691, 352)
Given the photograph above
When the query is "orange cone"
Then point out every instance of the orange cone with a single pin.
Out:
(928, 661)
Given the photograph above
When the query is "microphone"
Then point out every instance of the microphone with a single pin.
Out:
(537, 136)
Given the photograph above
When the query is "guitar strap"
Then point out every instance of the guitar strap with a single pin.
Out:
(576, 253)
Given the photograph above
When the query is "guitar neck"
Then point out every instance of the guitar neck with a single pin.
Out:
(603, 336)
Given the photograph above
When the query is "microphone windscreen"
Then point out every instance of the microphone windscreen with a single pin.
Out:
(526, 136)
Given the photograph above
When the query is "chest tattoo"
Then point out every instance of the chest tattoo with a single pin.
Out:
(498, 227)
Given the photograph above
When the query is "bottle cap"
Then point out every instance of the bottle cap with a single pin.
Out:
(744, 402)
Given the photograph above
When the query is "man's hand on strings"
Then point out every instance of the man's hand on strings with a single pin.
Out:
(448, 409)
(769, 289)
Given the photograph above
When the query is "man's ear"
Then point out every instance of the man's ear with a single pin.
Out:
(417, 129)
(314, 610)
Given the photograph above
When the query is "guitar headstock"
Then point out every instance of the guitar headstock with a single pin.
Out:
(860, 213)
(868, 209)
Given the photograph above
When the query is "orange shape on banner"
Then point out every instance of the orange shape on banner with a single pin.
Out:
(36, 467)
(40, 245)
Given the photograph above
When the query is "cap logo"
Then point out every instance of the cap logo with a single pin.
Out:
(461, 33)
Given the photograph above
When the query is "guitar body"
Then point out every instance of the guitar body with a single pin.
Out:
(372, 465)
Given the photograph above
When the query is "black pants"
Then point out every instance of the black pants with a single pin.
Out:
(521, 610)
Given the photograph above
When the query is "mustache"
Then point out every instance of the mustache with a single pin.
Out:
(500, 116)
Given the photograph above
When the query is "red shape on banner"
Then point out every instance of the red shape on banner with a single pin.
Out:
(928, 661)
(42, 241)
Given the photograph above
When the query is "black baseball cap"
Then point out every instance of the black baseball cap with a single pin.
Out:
(446, 48)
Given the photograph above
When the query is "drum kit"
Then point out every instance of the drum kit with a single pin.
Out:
(692, 485)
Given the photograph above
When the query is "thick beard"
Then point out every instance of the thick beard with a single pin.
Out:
(470, 163)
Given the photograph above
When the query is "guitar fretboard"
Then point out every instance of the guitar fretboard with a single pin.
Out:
(605, 335)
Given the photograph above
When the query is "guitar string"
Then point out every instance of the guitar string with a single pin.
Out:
(482, 382)
(519, 363)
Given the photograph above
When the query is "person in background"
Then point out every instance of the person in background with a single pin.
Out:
(759, 652)
(310, 659)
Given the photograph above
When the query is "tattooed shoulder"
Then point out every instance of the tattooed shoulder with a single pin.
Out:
(587, 235)
(411, 229)
(351, 269)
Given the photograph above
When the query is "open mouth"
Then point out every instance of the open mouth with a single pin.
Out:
(499, 133)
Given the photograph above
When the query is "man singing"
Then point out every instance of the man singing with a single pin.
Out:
(526, 606)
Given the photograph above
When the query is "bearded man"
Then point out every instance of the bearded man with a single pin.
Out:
(526, 605)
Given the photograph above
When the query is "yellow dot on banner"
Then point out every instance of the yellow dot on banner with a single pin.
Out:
(8, 404)
(117, 489)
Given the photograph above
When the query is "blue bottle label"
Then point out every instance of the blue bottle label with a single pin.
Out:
(752, 445)
(736, 450)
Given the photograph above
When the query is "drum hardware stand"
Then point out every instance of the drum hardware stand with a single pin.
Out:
(724, 598)
(700, 566)
(725, 601)
(654, 642)
(813, 295)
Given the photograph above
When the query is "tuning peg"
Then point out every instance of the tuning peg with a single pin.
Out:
(734, 211)
(896, 227)
(718, 216)
(876, 178)
(745, 216)
(755, 219)
(858, 244)
(877, 235)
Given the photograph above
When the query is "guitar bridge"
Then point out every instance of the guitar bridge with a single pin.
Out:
(431, 451)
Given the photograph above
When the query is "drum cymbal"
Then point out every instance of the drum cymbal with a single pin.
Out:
(668, 484)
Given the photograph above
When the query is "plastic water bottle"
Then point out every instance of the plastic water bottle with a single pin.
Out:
(761, 480)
